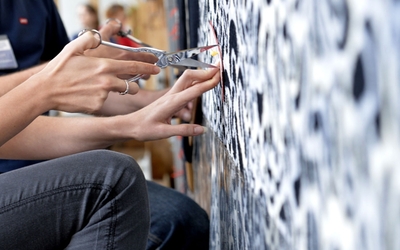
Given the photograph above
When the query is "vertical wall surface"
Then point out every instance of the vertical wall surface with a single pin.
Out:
(303, 148)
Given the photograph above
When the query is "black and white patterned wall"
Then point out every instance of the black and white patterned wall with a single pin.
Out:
(303, 148)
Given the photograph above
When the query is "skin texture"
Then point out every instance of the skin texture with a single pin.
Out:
(76, 81)
(115, 103)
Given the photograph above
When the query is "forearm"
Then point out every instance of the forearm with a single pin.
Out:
(51, 137)
(19, 107)
(10, 81)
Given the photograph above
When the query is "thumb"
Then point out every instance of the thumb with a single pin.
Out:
(111, 28)
(88, 40)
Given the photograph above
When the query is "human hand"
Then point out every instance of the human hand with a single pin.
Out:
(109, 30)
(73, 82)
(118, 105)
(154, 121)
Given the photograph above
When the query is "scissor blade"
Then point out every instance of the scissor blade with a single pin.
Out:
(188, 53)
(193, 63)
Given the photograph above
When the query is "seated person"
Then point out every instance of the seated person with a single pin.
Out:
(69, 132)
(91, 200)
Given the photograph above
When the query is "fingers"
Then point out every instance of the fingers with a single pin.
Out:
(110, 29)
(134, 56)
(186, 130)
(130, 68)
(129, 88)
(191, 85)
(107, 31)
(199, 87)
(142, 57)
(146, 77)
(192, 77)
(106, 67)
(88, 40)
(115, 84)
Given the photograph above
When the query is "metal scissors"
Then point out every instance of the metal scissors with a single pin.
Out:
(179, 58)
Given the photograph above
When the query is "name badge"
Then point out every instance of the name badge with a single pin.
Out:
(7, 58)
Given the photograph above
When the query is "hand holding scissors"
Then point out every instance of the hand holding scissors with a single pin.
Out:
(165, 59)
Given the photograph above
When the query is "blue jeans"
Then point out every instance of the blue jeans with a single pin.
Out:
(177, 222)
(92, 200)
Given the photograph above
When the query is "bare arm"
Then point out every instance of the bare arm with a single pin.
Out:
(70, 82)
(117, 104)
(74, 82)
(114, 105)
(8, 82)
(49, 137)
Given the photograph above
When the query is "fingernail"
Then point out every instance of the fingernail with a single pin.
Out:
(200, 130)
(156, 70)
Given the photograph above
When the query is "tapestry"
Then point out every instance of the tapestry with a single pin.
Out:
(303, 142)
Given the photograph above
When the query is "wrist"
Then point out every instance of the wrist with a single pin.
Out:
(35, 93)
(120, 128)
(32, 71)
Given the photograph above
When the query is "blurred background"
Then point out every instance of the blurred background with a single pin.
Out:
(162, 160)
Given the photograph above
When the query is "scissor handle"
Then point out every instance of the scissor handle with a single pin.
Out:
(95, 32)
(157, 52)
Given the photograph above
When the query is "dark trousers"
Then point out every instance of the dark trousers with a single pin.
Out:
(92, 200)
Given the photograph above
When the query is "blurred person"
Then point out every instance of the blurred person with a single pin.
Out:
(117, 11)
(80, 198)
(88, 17)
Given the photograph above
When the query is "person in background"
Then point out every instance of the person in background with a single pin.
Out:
(181, 223)
(88, 17)
(117, 11)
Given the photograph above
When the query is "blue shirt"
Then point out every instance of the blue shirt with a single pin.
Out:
(36, 34)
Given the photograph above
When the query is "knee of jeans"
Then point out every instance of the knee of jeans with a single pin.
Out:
(114, 158)
(118, 162)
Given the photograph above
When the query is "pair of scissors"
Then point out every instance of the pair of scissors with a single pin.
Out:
(165, 59)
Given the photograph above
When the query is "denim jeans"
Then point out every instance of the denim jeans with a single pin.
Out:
(92, 200)
(177, 222)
